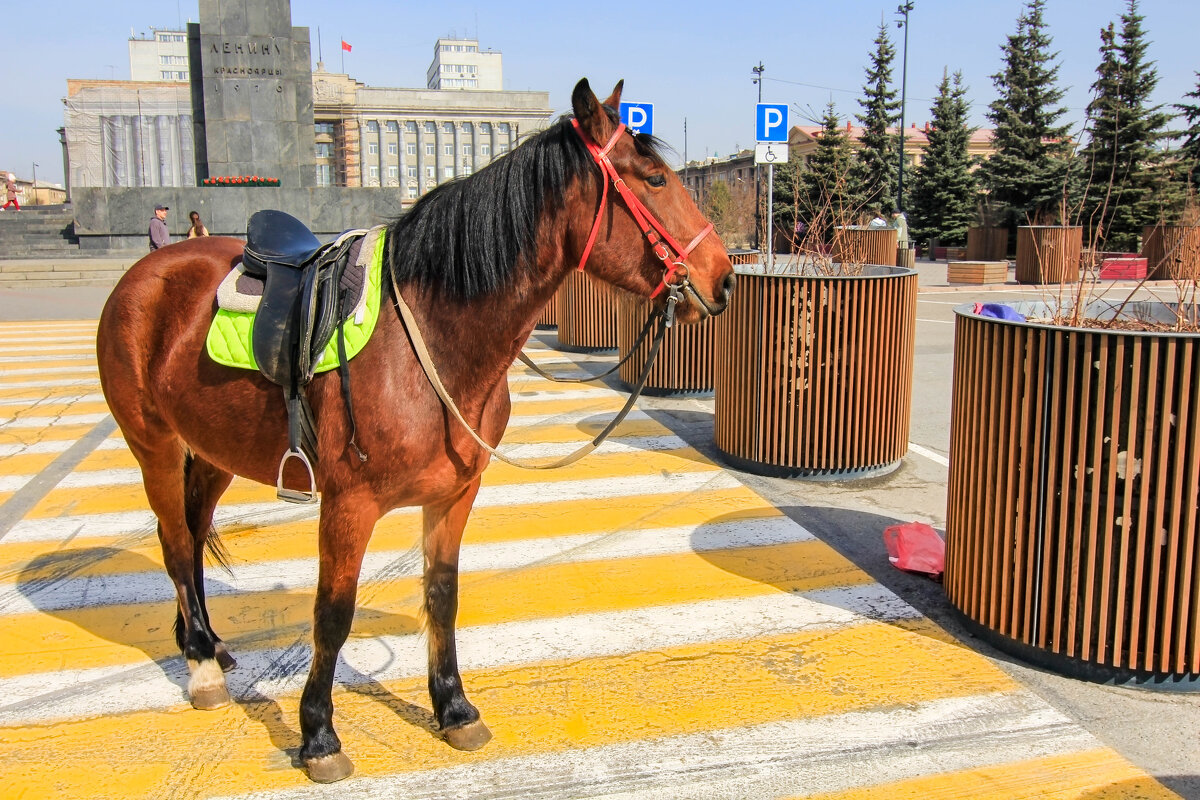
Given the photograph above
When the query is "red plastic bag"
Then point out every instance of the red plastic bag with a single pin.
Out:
(916, 547)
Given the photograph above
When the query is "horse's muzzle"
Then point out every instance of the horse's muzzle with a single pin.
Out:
(719, 302)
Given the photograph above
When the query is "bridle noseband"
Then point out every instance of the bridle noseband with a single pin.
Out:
(661, 242)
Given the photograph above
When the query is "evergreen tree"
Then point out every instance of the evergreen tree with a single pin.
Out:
(1026, 175)
(1189, 153)
(826, 198)
(1129, 174)
(874, 175)
(945, 191)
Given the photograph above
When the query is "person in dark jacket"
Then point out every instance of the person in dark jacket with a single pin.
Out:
(159, 236)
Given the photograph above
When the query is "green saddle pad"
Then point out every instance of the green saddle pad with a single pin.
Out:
(229, 335)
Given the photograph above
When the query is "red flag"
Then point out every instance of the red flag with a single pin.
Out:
(345, 46)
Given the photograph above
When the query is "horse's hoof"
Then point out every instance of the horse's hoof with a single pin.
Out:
(471, 736)
(329, 769)
(210, 698)
(224, 659)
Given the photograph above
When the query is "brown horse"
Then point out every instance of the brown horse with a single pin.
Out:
(477, 260)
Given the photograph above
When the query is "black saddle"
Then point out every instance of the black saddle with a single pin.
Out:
(303, 304)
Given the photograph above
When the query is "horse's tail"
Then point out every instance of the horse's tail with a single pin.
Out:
(212, 542)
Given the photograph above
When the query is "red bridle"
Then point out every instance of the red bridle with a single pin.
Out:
(660, 241)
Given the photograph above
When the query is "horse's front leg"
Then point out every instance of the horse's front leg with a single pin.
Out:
(460, 724)
(345, 528)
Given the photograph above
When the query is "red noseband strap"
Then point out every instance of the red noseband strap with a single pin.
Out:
(669, 251)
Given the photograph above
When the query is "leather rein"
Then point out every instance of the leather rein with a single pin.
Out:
(674, 282)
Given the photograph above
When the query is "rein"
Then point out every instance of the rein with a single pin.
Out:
(665, 318)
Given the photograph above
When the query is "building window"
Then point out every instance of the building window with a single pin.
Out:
(501, 148)
(410, 127)
(393, 172)
(466, 170)
(324, 150)
(410, 148)
(430, 127)
(412, 192)
(324, 175)
(485, 149)
(324, 128)
(392, 127)
(448, 149)
(375, 173)
(485, 127)
(447, 127)
(430, 173)
(466, 127)
(392, 148)
(503, 127)
(373, 148)
(412, 172)
(466, 149)
(372, 127)
(429, 151)
(447, 173)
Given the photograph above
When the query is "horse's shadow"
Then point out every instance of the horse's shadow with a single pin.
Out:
(279, 656)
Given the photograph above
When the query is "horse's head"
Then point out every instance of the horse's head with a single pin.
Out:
(656, 238)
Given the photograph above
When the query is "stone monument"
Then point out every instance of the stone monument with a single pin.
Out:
(252, 99)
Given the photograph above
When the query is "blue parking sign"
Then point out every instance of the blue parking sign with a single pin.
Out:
(638, 117)
(771, 122)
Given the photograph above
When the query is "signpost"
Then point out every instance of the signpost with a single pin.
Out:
(771, 133)
(638, 117)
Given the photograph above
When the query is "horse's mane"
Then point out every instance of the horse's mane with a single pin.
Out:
(475, 235)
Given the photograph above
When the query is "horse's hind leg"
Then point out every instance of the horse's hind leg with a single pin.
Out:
(163, 462)
(459, 720)
(203, 486)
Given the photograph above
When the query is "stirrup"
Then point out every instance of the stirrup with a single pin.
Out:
(294, 495)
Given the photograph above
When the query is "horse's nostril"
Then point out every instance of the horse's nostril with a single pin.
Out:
(728, 284)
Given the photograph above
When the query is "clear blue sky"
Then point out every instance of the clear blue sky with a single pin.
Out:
(691, 60)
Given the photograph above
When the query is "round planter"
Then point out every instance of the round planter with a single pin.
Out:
(1172, 253)
(1072, 524)
(1049, 253)
(987, 244)
(587, 314)
(549, 315)
(685, 358)
(859, 244)
(814, 373)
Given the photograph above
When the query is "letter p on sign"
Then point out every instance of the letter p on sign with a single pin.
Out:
(771, 122)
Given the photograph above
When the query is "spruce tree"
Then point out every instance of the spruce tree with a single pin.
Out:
(945, 191)
(826, 198)
(874, 176)
(1130, 183)
(1026, 175)
(1189, 152)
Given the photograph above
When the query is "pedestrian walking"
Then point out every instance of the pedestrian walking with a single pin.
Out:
(10, 192)
(197, 228)
(159, 235)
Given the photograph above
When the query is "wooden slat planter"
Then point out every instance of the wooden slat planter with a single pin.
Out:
(814, 374)
(977, 272)
(1049, 253)
(549, 317)
(1073, 532)
(863, 245)
(587, 314)
(1172, 253)
(906, 257)
(685, 358)
(987, 244)
(744, 257)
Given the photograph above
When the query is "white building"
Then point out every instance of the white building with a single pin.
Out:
(460, 64)
(161, 57)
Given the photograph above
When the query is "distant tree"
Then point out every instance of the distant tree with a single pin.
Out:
(1027, 173)
(730, 208)
(1129, 182)
(826, 197)
(945, 191)
(787, 195)
(718, 207)
(1189, 153)
(874, 176)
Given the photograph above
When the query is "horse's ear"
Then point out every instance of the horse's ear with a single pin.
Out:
(590, 114)
(614, 100)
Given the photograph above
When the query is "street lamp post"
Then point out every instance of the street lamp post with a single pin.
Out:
(903, 10)
(758, 71)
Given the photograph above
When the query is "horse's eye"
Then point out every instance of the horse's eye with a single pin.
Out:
(657, 180)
